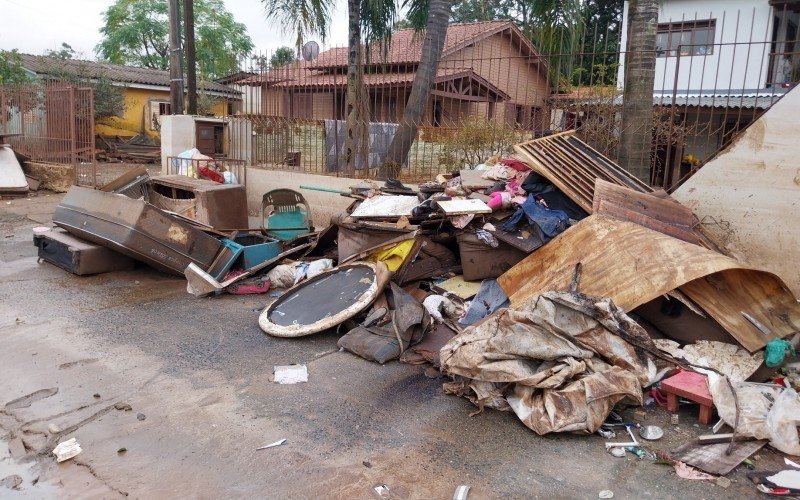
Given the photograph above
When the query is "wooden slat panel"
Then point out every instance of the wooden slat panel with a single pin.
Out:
(573, 166)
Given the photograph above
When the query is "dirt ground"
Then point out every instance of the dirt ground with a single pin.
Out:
(129, 361)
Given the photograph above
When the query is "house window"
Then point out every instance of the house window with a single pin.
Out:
(691, 38)
(164, 108)
(157, 110)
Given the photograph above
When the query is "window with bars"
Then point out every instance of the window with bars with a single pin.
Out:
(689, 38)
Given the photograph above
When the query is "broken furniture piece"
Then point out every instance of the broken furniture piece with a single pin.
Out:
(285, 214)
(325, 301)
(136, 229)
(692, 386)
(78, 256)
(12, 179)
(221, 206)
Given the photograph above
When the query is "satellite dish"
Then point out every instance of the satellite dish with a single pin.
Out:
(310, 51)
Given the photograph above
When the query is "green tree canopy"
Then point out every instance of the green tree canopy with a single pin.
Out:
(11, 70)
(136, 32)
(281, 57)
(65, 52)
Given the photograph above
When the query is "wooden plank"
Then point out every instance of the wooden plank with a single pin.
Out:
(609, 209)
(712, 458)
(471, 179)
(632, 265)
(661, 209)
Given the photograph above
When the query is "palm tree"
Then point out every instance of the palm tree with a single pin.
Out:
(436, 14)
(369, 23)
(636, 140)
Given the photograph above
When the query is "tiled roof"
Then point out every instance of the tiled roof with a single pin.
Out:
(405, 49)
(42, 65)
(307, 78)
(406, 45)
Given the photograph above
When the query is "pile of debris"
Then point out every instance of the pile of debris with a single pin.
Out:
(550, 283)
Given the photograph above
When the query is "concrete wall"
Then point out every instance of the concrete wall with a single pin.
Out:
(177, 135)
(748, 197)
(734, 67)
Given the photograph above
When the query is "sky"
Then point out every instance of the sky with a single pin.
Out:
(34, 26)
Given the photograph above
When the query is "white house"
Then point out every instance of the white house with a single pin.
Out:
(721, 63)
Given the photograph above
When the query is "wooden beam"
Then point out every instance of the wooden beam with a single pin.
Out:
(453, 95)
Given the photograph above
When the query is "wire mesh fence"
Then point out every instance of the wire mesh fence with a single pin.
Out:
(711, 75)
(49, 122)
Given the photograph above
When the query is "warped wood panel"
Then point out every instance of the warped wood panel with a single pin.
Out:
(633, 265)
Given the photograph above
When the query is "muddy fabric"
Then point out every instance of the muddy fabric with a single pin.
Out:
(560, 361)
(432, 259)
(409, 321)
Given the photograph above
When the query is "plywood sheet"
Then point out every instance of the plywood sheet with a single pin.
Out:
(633, 265)
(748, 197)
(712, 458)
(471, 179)
(386, 206)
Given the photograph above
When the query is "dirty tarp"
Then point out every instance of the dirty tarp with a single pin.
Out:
(383, 343)
(560, 361)
(325, 300)
(632, 265)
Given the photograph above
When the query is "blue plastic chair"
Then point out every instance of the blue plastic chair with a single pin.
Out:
(285, 214)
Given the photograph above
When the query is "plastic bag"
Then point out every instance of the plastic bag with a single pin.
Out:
(765, 412)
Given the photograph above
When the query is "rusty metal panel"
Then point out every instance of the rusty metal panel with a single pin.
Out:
(135, 228)
(633, 265)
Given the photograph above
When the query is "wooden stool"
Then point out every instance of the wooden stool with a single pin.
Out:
(692, 386)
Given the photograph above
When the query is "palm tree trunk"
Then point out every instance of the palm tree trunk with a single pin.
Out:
(432, 45)
(636, 141)
(354, 80)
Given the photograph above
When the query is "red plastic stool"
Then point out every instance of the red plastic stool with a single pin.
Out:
(692, 386)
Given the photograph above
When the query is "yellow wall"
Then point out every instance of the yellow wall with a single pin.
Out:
(137, 105)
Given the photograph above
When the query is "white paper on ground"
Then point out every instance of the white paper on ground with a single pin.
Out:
(291, 374)
(67, 450)
(786, 479)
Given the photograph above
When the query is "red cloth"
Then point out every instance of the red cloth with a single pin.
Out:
(515, 164)
(207, 173)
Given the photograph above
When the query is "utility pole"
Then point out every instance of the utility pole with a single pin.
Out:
(191, 65)
(175, 69)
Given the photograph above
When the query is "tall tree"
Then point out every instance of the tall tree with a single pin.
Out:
(11, 70)
(136, 32)
(437, 13)
(369, 22)
(281, 57)
(636, 139)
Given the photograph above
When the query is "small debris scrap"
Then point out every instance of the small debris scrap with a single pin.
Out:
(461, 492)
(122, 451)
(383, 491)
(96, 396)
(651, 432)
(272, 445)
(53, 429)
(66, 450)
(367, 464)
(291, 374)
(140, 416)
(605, 494)
(723, 482)
(123, 407)
(689, 472)
(11, 482)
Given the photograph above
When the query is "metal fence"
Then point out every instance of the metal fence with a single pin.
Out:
(714, 75)
(51, 123)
